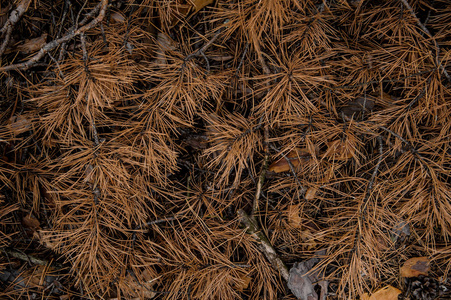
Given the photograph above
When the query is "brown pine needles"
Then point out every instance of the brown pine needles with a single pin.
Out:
(133, 135)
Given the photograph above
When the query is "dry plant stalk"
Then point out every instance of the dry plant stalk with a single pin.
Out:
(131, 139)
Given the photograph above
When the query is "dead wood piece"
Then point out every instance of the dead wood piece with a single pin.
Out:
(55, 43)
(265, 246)
(7, 29)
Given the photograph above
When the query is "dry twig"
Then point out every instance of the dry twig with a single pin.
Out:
(9, 25)
(55, 43)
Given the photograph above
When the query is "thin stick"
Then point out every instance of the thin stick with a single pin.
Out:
(265, 246)
(261, 179)
(55, 43)
(14, 17)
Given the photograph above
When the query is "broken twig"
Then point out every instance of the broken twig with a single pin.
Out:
(265, 246)
(55, 43)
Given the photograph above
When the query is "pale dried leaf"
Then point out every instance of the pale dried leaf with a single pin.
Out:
(302, 282)
(31, 222)
(32, 45)
(311, 193)
(386, 293)
(415, 267)
(338, 150)
(19, 124)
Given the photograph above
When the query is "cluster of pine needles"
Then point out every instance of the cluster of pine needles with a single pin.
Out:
(132, 132)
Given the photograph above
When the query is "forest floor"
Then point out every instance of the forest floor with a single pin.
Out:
(222, 149)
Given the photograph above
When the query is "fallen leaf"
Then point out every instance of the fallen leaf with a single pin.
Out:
(164, 43)
(296, 157)
(142, 290)
(32, 45)
(385, 293)
(302, 282)
(243, 283)
(199, 4)
(117, 17)
(365, 297)
(311, 193)
(400, 231)
(31, 222)
(19, 124)
(415, 267)
(358, 106)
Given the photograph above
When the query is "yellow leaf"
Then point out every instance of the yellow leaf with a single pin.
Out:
(386, 293)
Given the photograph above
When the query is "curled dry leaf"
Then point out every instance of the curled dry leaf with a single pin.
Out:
(142, 290)
(302, 281)
(415, 267)
(311, 193)
(400, 231)
(117, 17)
(296, 157)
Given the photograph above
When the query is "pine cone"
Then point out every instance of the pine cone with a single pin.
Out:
(424, 288)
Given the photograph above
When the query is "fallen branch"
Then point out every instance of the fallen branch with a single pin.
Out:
(7, 29)
(30, 258)
(55, 43)
(261, 179)
(265, 246)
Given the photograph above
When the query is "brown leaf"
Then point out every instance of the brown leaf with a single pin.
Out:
(117, 17)
(302, 282)
(386, 293)
(365, 297)
(30, 222)
(357, 106)
(311, 193)
(243, 283)
(296, 157)
(32, 45)
(19, 124)
(142, 290)
(415, 267)
(199, 4)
